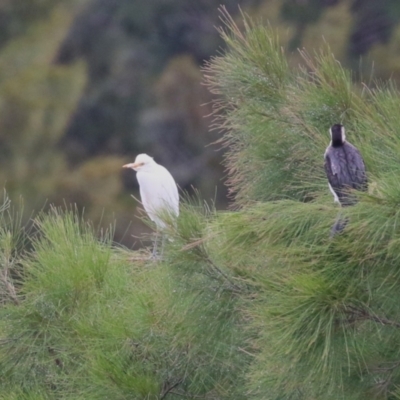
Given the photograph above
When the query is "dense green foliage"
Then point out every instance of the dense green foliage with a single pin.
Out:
(88, 321)
(257, 303)
(327, 310)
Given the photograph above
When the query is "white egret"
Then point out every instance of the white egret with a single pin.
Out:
(345, 170)
(158, 192)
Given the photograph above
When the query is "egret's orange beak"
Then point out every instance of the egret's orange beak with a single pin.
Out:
(131, 165)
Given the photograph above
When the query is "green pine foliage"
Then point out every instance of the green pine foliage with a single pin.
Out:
(92, 321)
(256, 303)
(326, 310)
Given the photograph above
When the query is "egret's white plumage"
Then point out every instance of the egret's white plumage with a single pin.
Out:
(158, 190)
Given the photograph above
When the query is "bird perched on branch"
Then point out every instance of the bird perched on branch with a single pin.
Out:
(345, 170)
(158, 192)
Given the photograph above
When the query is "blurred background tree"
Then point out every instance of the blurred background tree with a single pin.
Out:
(86, 85)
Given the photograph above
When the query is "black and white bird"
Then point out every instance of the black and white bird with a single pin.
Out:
(345, 170)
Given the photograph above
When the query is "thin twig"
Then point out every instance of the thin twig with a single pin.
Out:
(364, 314)
(246, 352)
(233, 284)
(168, 389)
(390, 368)
(187, 396)
(203, 254)
(10, 289)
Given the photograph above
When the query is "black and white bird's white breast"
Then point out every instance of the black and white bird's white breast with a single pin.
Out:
(344, 167)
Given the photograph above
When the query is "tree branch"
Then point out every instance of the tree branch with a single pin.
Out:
(168, 388)
(362, 313)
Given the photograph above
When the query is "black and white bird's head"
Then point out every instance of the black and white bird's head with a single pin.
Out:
(338, 135)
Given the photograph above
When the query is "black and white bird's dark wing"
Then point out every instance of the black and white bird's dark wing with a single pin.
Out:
(345, 170)
(356, 168)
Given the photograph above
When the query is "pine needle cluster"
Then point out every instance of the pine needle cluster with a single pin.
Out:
(256, 303)
(326, 310)
(91, 320)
